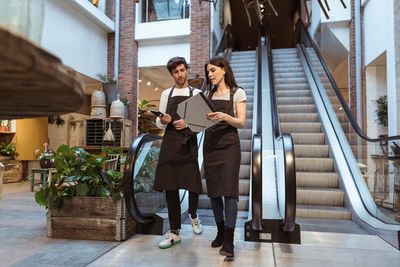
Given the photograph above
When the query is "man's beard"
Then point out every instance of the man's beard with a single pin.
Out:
(181, 83)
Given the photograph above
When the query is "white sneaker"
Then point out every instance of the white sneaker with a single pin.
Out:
(196, 225)
(170, 239)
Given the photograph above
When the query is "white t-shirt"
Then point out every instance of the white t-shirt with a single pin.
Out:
(238, 97)
(164, 101)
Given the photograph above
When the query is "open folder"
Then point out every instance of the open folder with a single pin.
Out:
(194, 112)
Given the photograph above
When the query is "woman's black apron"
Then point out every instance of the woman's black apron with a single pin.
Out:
(221, 152)
(177, 166)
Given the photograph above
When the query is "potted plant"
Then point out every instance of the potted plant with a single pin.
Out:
(46, 157)
(8, 127)
(125, 100)
(110, 87)
(382, 119)
(3, 124)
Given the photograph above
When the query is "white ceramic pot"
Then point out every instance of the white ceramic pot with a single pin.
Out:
(98, 99)
(117, 109)
(98, 112)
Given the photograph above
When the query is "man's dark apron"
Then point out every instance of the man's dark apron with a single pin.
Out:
(177, 166)
(221, 152)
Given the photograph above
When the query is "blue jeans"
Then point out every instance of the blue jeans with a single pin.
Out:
(231, 209)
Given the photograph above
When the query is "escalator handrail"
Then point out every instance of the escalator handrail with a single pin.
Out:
(347, 111)
(129, 192)
(274, 104)
(289, 221)
(256, 150)
(226, 36)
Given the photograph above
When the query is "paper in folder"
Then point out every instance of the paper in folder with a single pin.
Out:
(194, 110)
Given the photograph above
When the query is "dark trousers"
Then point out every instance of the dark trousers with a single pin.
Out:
(174, 207)
(231, 209)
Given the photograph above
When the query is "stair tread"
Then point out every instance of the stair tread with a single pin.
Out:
(316, 207)
(320, 189)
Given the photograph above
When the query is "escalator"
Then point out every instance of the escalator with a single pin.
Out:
(338, 187)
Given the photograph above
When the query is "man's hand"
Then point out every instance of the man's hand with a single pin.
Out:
(179, 124)
(165, 119)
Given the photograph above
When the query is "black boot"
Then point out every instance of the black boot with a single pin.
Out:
(227, 248)
(220, 235)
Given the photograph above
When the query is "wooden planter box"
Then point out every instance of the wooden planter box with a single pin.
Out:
(12, 172)
(91, 218)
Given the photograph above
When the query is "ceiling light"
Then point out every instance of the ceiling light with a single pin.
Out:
(140, 81)
(156, 89)
(148, 83)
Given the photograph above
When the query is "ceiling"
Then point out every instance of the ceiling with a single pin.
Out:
(281, 26)
(152, 81)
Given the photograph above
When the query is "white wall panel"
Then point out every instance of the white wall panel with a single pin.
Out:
(76, 39)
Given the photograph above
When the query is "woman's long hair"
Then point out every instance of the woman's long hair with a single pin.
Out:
(229, 77)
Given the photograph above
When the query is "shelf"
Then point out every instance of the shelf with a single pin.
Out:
(1, 132)
(33, 82)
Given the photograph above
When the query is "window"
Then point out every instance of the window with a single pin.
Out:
(158, 10)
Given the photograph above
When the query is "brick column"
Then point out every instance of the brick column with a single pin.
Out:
(128, 59)
(110, 12)
(199, 37)
(352, 64)
(396, 10)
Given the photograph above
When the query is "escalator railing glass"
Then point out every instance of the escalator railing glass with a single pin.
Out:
(141, 163)
(374, 167)
(283, 147)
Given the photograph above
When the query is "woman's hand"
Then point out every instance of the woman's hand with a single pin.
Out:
(179, 124)
(165, 119)
(217, 116)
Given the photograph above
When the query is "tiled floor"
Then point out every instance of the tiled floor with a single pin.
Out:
(23, 242)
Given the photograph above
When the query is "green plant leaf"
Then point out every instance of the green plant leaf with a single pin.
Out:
(41, 197)
(82, 190)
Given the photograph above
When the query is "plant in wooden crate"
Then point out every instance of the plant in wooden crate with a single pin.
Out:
(79, 174)
(83, 195)
(9, 150)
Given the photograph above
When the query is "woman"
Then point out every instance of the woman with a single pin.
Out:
(221, 149)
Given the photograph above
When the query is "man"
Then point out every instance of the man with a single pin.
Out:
(177, 166)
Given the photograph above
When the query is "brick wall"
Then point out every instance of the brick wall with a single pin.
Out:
(128, 61)
(352, 64)
(199, 37)
(396, 10)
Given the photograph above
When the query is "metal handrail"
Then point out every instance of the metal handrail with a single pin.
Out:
(256, 156)
(289, 222)
(129, 193)
(226, 42)
(346, 109)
